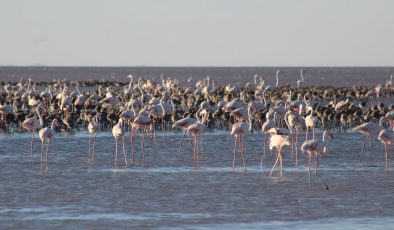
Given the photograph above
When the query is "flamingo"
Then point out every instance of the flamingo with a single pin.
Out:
(268, 125)
(196, 131)
(294, 120)
(279, 141)
(239, 130)
(386, 137)
(310, 122)
(46, 134)
(118, 131)
(93, 128)
(317, 148)
(390, 117)
(368, 129)
(31, 124)
(144, 122)
(183, 123)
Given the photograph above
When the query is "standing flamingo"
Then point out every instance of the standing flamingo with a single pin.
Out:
(238, 131)
(196, 131)
(118, 131)
(31, 124)
(93, 128)
(368, 129)
(46, 134)
(310, 122)
(145, 123)
(183, 123)
(268, 124)
(317, 148)
(386, 137)
(279, 141)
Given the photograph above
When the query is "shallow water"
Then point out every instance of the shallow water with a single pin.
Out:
(169, 193)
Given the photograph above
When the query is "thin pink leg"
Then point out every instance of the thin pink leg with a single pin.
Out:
(42, 153)
(31, 145)
(116, 151)
(90, 141)
(46, 160)
(235, 150)
(143, 148)
(362, 149)
(180, 144)
(241, 145)
(276, 162)
(124, 152)
(94, 144)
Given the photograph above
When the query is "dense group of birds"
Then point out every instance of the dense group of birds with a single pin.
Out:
(143, 106)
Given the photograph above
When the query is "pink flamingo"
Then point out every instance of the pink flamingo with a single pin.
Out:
(93, 128)
(387, 138)
(118, 131)
(238, 131)
(317, 148)
(196, 131)
(390, 117)
(295, 120)
(183, 123)
(46, 134)
(31, 124)
(279, 141)
(142, 122)
(367, 128)
(310, 122)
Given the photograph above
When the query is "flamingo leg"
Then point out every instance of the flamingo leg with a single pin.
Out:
(124, 152)
(90, 140)
(235, 150)
(370, 146)
(94, 144)
(313, 132)
(280, 163)
(276, 162)
(116, 150)
(385, 156)
(180, 144)
(132, 146)
(262, 157)
(296, 147)
(202, 148)
(31, 145)
(241, 146)
(309, 168)
(317, 174)
(42, 153)
(46, 158)
(306, 133)
(143, 148)
(196, 147)
(362, 149)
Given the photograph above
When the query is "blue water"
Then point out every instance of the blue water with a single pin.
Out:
(167, 192)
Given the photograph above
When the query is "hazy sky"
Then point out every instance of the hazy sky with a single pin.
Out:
(197, 32)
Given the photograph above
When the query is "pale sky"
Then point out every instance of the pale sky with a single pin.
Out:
(197, 32)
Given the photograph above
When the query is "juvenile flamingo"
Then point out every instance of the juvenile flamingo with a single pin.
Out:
(368, 129)
(46, 134)
(317, 148)
(118, 131)
(31, 124)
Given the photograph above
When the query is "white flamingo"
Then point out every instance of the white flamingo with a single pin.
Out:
(368, 129)
(118, 131)
(93, 128)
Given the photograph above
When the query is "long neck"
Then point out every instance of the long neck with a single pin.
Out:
(324, 136)
(40, 118)
(277, 79)
(53, 124)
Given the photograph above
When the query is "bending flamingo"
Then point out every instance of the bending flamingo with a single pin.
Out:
(368, 129)
(317, 148)
(183, 123)
(279, 141)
